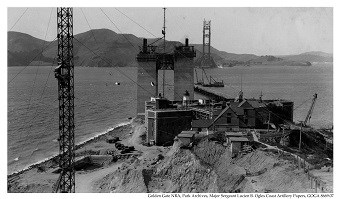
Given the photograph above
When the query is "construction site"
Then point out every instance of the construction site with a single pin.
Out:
(182, 145)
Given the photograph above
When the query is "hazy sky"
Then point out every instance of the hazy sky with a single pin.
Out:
(260, 31)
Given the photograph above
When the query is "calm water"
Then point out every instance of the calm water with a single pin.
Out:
(100, 104)
(295, 83)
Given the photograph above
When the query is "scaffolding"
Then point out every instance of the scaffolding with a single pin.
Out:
(65, 76)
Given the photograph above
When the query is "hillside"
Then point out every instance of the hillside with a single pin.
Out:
(22, 48)
(110, 49)
(107, 49)
(222, 55)
(314, 56)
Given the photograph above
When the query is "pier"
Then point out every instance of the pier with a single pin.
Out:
(216, 96)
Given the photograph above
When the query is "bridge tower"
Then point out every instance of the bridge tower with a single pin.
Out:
(206, 59)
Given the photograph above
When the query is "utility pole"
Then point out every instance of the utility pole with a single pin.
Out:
(300, 143)
(269, 122)
(65, 76)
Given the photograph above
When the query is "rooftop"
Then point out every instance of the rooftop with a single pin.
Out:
(232, 134)
(239, 139)
(185, 135)
(201, 123)
(188, 132)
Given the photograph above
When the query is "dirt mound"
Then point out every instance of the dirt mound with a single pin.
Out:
(30, 188)
(209, 152)
(218, 158)
(127, 179)
(183, 172)
(207, 167)
(178, 170)
(256, 161)
(269, 172)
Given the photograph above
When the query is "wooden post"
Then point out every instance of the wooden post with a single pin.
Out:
(269, 122)
(303, 164)
(315, 186)
(299, 146)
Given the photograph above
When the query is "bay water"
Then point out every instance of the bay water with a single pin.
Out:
(106, 97)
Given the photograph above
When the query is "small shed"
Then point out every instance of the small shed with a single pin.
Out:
(186, 137)
(237, 143)
(201, 125)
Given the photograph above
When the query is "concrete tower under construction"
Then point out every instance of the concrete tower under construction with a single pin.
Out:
(183, 71)
(147, 76)
(150, 62)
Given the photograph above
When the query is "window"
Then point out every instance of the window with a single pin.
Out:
(245, 116)
(228, 118)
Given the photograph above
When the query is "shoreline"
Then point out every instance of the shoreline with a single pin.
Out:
(77, 146)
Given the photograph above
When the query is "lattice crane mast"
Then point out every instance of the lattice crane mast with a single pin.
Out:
(65, 76)
(310, 112)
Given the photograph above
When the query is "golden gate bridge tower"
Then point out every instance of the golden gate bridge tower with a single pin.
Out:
(206, 61)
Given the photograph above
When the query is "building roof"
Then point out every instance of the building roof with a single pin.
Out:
(238, 139)
(188, 132)
(236, 109)
(234, 134)
(256, 103)
(185, 135)
(220, 114)
(201, 123)
(243, 102)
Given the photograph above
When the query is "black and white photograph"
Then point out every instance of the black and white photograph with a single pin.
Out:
(170, 101)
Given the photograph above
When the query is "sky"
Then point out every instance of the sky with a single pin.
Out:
(260, 31)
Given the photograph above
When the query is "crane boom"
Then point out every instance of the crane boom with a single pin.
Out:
(310, 112)
(65, 76)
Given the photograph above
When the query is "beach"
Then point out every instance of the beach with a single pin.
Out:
(39, 177)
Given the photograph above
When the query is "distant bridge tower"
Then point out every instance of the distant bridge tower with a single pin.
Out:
(206, 40)
(206, 59)
(65, 76)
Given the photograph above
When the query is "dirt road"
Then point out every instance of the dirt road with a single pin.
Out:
(85, 181)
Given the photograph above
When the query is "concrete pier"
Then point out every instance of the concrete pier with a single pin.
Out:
(183, 78)
(147, 76)
(149, 62)
(184, 71)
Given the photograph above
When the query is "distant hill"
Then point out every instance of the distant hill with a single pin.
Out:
(222, 55)
(22, 48)
(107, 49)
(113, 49)
(314, 56)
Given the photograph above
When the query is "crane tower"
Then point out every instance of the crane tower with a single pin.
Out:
(65, 76)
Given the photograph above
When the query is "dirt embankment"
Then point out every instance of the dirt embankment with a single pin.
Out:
(207, 167)
(176, 170)
(258, 171)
